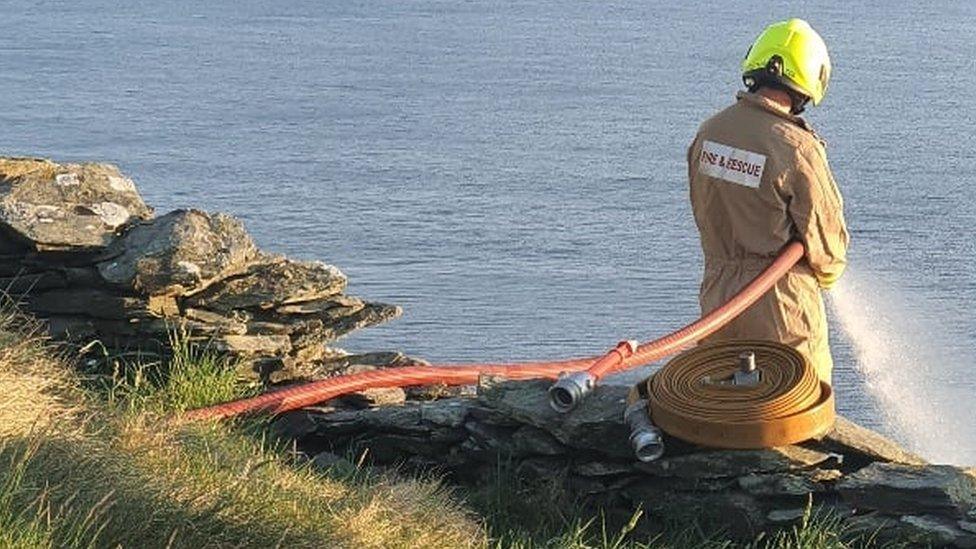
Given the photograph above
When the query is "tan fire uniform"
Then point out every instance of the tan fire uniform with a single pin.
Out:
(759, 178)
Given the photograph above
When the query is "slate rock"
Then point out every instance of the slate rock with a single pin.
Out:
(541, 468)
(53, 206)
(861, 446)
(310, 337)
(295, 425)
(911, 530)
(785, 516)
(307, 364)
(410, 418)
(130, 332)
(278, 281)
(12, 265)
(381, 396)
(263, 345)
(70, 328)
(335, 306)
(911, 489)
(585, 486)
(439, 391)
(258, 327)
(530, 440)
(597, 424)
(179, 253)
(789, 484)
(688, 484)
(328, 423)
(602, 468)
(734, 463)
(231, 324)
(22, 284)
(386, 448)
(446, 413)
(381, 359)
(740, 515)
(88, 302)
(937, 531)
(490, 437)
(311, 331)
(12, 246)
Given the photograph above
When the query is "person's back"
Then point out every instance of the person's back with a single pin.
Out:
(759, 179)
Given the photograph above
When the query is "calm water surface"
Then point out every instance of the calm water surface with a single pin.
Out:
(511, 173)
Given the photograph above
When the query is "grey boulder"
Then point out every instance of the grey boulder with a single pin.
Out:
(51, 206)
(179, 253)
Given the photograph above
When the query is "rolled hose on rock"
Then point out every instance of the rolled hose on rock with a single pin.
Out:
(698, 396)
(625, 355)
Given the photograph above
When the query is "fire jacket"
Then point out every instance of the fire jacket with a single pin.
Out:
(759, 178)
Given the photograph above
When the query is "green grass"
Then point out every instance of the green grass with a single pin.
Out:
(102, 460)
(192, 377)
(520, 515)
(114, 466)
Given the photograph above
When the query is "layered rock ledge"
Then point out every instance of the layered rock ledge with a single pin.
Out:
(874, 485)
(81, 250)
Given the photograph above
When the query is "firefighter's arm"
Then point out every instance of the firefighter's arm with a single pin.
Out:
(817, 210)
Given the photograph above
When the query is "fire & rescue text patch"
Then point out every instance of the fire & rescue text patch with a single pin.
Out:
(731, 164)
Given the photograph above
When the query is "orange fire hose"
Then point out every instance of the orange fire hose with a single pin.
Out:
(624, 355)
(694, 398)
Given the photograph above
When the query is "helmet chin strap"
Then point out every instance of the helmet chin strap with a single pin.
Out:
(798, 104)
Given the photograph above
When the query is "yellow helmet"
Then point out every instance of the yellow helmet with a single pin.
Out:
(792, 54)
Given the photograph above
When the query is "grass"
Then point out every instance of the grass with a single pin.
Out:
(111, 467)
(192, 377)
(101, 460)
(534, 516)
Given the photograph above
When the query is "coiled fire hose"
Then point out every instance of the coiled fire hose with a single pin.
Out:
(565, 394)
(739, 394)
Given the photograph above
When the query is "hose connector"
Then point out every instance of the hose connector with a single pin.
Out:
(569, 390)
(747, 375)
(646, 439)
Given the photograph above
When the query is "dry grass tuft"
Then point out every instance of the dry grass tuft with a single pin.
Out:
(38, 391)
(376, 519)
(78, 471)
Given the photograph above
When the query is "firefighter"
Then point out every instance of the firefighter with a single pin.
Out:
(759, 178)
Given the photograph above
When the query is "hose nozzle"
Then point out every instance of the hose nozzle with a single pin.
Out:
(645, 438)
(569, 390)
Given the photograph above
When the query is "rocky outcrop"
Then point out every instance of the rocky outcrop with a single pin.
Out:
(869, 481)
(75, 207)
(82, 251)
